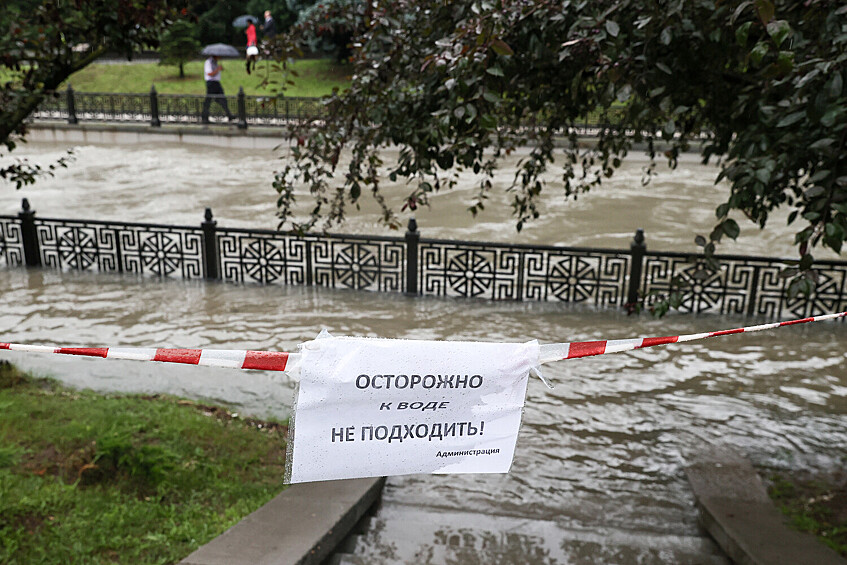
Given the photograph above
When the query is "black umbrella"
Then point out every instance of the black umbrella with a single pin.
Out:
(220, 50)
(242, 21)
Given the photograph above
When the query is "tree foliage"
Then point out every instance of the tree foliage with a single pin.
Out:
(43, 43)
(329, 26)
(178, 45)
(757, 86)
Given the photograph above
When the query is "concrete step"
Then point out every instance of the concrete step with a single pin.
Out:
(414, 535)
(736, 510)
(345, 552)
(303, 525)
(346, 559)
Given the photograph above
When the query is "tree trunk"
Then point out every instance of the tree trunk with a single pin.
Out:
(181, 72)
(28, 97)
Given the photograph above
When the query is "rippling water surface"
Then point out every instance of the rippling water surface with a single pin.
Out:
(598, 474)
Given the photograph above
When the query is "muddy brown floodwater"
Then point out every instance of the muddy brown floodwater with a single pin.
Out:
(598, 473)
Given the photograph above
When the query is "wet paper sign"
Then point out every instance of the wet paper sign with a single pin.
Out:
(379, 407)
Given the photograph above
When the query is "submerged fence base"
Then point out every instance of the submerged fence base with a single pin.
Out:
(419, 266)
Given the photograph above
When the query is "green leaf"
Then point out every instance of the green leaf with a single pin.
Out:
(778, 30)
(822, 143)
(488, 121)
(806, 262)
(731, 229)
(803, 235)
(495, 71)
(742, 33)
(612, 28)
(491, 97)
(766, 10)
(664, 68)
(659, 309)
(758, 52)
(818, 176)
(666, 36)
(739, 9)
(785, 61)
(834, 86)
(831, 116)
(794, 288)
(501, 48)
(834, 231)
(799, 286)
(791, 119)
(445, 160)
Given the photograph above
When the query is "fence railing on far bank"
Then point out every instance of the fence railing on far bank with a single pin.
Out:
(157, 109)
(419, 266)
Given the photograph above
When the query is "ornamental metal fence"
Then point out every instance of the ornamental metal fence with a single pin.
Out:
(156, 109)
(420, 266)
(262, 111)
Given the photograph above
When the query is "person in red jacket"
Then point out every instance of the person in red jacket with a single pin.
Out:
(252, 47)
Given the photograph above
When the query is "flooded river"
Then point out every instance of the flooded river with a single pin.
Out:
(598, 473)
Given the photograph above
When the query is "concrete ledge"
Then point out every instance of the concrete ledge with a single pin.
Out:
(302, 525)
(735, 509)
(216, 135)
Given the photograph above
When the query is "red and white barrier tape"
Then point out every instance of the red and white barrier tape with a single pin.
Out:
(229, 358)
(279, 361)
(577, 349)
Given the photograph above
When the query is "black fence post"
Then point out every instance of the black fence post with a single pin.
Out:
(310, 279)
(154, 107)
(413, 238)
(242, 109)
(29, 235)
(637, 249)
(210, 246)
(71, 106)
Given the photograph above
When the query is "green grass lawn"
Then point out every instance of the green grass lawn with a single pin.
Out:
(316, 77)
(817, 506)
(91, 478)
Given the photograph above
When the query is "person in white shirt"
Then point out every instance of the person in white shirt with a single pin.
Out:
(214, 91)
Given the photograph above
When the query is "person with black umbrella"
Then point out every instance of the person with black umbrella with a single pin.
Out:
(249, 22)
(252, 47)
(212, 72)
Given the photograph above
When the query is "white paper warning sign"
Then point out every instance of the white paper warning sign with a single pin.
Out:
(378, 407)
